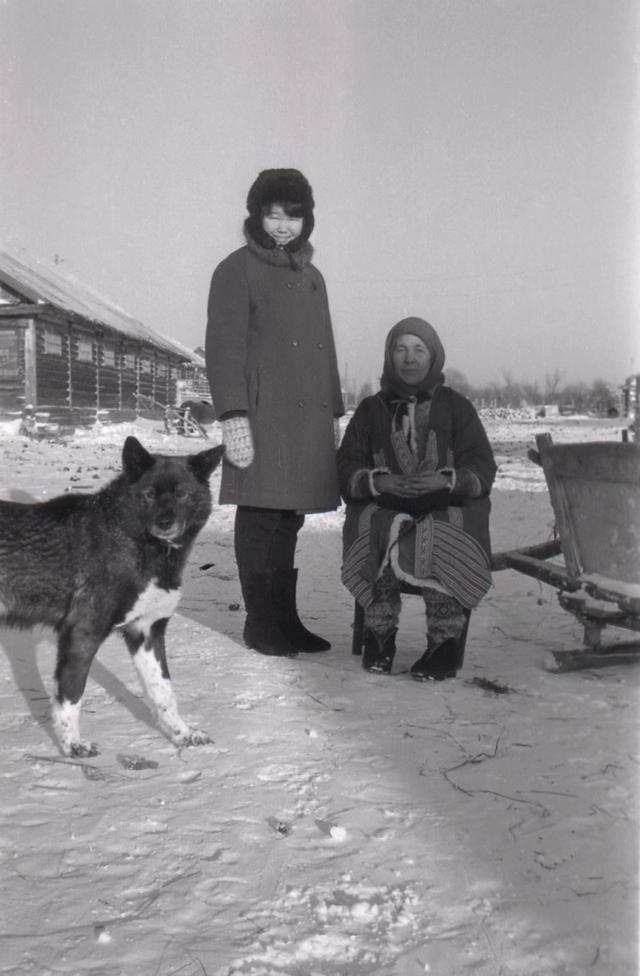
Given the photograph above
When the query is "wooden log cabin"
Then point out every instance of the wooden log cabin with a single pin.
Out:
(71, 356)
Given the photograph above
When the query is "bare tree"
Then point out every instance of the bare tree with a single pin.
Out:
(366, 390)
(512, 392)
(459, 382)
(532, 394)
(552, 385)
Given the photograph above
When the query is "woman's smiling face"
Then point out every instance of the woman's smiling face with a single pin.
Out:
(411, 359)
(280, 226)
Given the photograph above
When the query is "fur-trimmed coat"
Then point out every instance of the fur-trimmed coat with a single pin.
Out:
(451, 543)
(270, 352)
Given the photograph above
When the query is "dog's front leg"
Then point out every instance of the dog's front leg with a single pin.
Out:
(150, 659)
(76, 651)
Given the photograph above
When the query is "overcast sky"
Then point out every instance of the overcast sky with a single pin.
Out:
(474, 162)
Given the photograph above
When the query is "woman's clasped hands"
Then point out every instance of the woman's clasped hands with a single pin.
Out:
(411, 485)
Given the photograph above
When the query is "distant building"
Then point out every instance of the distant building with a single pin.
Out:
(547, 410)
(194, 384)
(70, 354)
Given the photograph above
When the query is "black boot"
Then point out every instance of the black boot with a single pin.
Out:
(443, 660)
(438, 663)
(284, 598)
(261, 629)
(379, 651)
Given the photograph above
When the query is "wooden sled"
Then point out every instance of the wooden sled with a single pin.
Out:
(181, 421)
(595, 494)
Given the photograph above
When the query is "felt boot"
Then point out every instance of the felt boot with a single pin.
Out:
(284, 599)
(379, 651)
(261, 630)
(444, 660)
(437, 663)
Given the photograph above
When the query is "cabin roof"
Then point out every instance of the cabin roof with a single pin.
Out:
(38, 283)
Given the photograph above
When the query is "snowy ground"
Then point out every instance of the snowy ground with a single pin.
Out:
(341, 823)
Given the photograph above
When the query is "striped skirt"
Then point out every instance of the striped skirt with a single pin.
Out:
(433, 550)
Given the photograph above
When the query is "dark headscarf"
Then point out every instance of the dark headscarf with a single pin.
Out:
(390, 382)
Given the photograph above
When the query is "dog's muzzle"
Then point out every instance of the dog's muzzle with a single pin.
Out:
(171, 534)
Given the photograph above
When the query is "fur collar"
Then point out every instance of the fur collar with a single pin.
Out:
(279, 257)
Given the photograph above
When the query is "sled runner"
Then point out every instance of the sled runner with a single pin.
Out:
(594, 490)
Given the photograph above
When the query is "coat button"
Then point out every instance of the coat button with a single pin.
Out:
(301, 403)
(321, 345)
(294, 342)
(289, 284)
(324, 403)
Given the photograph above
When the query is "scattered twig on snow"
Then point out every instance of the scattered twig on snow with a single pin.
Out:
(487, 935)
(433, 728)
(153, 897)
(493, 686)
(187, 967)
(89, 770)
(48, 787)
(602, 891)
(453, 716)
(572, 796)
(199, 963)
(55, 759)
(106, 924)
(512, 637)
(479, 758)
(615, 816)
(469, 761)
(514, 826)
(513, 799)
(603, 772)
(334, 708)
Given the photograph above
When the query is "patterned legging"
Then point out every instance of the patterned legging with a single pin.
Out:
(445, 616)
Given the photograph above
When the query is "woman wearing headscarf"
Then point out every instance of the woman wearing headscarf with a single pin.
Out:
(272, 369)
(416, 468)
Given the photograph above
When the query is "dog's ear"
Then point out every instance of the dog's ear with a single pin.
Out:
(135, 459)
(205, 463)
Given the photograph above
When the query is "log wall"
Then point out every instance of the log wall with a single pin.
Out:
(72, 370)
(12, 368)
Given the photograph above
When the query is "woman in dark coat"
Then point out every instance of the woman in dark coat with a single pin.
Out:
(274, 380)
(416, 468)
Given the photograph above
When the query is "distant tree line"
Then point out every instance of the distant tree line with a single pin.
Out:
(598, 397)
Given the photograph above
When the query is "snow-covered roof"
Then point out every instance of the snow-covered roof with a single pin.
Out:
(39, 283)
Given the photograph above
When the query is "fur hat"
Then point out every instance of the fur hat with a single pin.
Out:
(279, 186)
(390, 382)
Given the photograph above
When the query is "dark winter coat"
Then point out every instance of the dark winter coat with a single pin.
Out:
(270, 352)
(451, 543)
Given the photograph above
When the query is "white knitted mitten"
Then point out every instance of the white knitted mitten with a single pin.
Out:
(238, 442)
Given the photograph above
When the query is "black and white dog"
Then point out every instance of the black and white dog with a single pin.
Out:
(88, 564)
